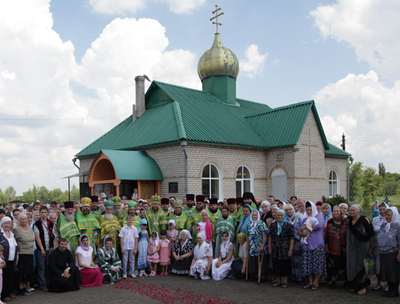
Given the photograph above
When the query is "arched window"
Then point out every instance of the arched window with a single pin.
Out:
(333, 183)
(210, 181)
(243, 181)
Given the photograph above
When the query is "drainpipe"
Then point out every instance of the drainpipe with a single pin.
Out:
(74, 162)
(348, 178)
(183, 145)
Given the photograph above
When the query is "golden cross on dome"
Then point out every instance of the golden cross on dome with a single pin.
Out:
(216, 17)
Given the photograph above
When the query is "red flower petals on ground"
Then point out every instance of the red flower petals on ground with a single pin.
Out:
(168, 295)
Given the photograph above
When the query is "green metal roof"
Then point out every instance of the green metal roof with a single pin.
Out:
(134, 165)
(282, 127)
(174, 113)
(334, 151)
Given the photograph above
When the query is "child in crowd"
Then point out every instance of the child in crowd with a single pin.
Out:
(143, 245)
(172, 233)
(2, 265)
(129, 247)
(311, 221)
(165, 252)
(153, 253)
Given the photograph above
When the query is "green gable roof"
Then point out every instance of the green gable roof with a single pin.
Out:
(175, 113)
(334, 151)
(134, 165)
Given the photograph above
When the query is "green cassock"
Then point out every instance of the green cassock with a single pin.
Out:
(88, 224)
(106, 260)
(110, 228)
(188, 210)
(70, 231)
(221, 226)
(193, 220)
(97, 213)
(156, 221)
(180, 221)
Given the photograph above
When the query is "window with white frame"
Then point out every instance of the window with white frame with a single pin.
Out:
(333, 183)
(243, 181)
(210, 181)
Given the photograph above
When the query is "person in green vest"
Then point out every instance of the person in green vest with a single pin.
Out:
(213, 212)
(189, 204)
(87, 222)
(132, 205)
(165, 206)
(110, 226)
(67, 227)
(195, 217)
(118, 212)
(233, 212)
(178, 216)
(95, 209)
(155, 216)
(224, 223)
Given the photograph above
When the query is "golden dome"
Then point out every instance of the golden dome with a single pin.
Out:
(218, 60)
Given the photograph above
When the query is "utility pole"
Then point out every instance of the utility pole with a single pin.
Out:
(343, 145)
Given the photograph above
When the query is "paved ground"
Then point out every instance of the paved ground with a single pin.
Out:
(178, 289)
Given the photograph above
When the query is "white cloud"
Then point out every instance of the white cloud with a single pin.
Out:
(43, 123)
(254, 62)
(117, 7)
(371, 27)
(184, 7)
(124, 7)
(367, 111)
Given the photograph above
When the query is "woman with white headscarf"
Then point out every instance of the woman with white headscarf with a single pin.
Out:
(222, 266)
(202, 260)
(360, 240)
(11, 249)
(314, 259)
(389, 250)
(182, 253)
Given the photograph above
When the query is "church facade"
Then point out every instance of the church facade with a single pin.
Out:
(180, 140)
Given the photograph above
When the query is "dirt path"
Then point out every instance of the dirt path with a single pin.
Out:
(178, 289)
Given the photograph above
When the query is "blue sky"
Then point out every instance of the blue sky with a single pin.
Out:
(67, 70)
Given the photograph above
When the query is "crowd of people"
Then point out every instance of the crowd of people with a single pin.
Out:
(61, 247)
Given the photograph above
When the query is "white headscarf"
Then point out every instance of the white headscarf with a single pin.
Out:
(314, 210)
(254, 223)
(189, 236)
(172, 222)
(200, 250)
(156, 240)
(395, 218)
(225, 247)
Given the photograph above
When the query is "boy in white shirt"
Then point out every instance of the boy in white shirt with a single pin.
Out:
(129, 247)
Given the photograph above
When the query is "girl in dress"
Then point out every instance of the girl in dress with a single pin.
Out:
(205, 226)
(165, 252)
(153, 257)
(172, 233)
(222, 266)
(143, 245)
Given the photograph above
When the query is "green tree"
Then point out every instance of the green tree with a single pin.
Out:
(371, 182)
(356, 178)
(381, 170)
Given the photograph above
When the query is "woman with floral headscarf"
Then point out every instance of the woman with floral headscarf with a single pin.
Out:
(257, 237)
(90, 272)
(389, 250)
(281, 240)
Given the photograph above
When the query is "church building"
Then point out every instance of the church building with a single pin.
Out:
(180, 140)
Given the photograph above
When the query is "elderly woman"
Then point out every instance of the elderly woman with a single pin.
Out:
(274, 209)
(222, 265)
(202, 260)
(343, 209)
(360, 240)
(281, 241)
(7, 240)
(25, 239)
(182, 253)
(257, 235)
(264, 210)
(89, 271)
(377, 223)
(389, 251)
(314, 260)
(335, 245)
(295, 219)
